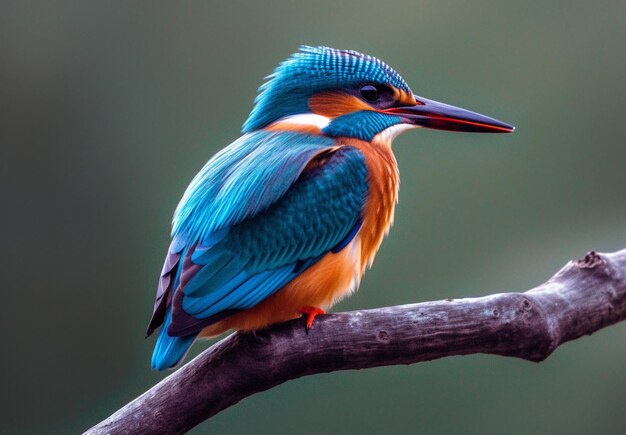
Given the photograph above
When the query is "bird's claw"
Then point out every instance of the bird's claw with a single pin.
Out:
(311, 313)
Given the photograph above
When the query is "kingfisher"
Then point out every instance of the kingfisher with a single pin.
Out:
(283, 222)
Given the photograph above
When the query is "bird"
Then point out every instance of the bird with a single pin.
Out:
(283, 222)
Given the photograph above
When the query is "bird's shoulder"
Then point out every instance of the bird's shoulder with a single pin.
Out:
(253, 173)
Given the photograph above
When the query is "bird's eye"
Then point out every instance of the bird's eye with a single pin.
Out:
(369, 93)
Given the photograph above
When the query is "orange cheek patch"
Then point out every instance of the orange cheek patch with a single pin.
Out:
(290, 126)
(333, 104)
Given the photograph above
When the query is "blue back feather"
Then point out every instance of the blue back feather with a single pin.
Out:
(261, 254)
(242, 180)
(251, 221)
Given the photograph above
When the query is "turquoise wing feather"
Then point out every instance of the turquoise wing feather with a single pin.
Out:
(262, 253)
(242, 180)
(263, 227)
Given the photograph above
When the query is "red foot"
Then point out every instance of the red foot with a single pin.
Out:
(310, 312)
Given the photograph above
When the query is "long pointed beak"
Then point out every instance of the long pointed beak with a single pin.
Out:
(441, 116)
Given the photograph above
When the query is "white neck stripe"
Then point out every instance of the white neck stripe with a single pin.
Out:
(310, 119)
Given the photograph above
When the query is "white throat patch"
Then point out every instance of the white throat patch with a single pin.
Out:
(389, 134)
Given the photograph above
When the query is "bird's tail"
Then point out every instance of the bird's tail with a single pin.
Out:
(169, 351)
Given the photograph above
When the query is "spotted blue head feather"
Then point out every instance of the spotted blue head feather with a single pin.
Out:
(313, 70)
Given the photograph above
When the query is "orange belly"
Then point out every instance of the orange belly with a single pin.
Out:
(325, 283)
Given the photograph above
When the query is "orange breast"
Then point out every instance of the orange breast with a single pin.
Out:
(336, 275)
(384, 181)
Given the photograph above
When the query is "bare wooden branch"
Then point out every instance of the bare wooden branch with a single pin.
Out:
(583, 297)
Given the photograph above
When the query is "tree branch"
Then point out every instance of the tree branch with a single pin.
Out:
(583, 297)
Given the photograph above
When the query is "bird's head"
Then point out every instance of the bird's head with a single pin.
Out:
(342, 93)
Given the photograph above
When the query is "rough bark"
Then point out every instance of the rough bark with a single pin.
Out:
(583, 297)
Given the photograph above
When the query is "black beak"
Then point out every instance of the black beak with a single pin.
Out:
(441, 116)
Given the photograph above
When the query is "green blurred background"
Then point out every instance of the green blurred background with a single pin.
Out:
(110, 108)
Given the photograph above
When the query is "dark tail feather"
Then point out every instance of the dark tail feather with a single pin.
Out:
(169, 351)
